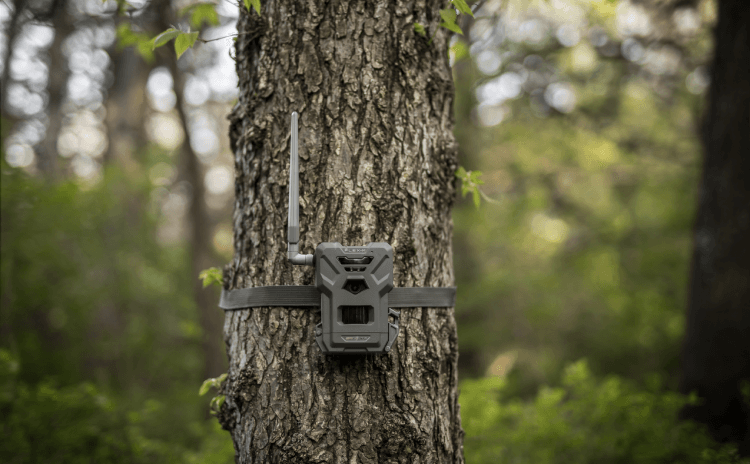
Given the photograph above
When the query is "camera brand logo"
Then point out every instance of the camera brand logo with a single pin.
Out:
(355, 250)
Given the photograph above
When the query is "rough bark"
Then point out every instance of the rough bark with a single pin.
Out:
(377, 164)
(716, 351)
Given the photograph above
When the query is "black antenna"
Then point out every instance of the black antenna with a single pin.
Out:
(293, 228)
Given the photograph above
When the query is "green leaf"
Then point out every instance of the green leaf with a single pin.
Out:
(184, 41)
(463, 7)
(207, 384)
(474, 177)
(460, 172)
(475, 194)
(449, 20)
(203, 12)
(217, 401)
(448, 15)
(419, 29)
(252, 3)
(165, 37)
(452, 27)
(127, 38)
(214, 382)
(460, 50)
(124, 35)
(145, 49)
(464, 189)
(211, 276)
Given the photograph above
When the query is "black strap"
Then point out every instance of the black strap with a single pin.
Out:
(307, 295)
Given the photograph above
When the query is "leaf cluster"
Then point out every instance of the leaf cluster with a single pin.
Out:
(585, 420)
(89, 293)
(448, 18)
(470, 182)
(210, 276)
(218, 400)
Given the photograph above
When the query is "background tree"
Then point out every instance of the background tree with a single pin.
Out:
(378, 161)
(716, 350)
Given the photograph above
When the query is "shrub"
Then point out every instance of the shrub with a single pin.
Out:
(586, 420)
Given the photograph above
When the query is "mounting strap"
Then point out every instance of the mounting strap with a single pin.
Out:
(308, 295)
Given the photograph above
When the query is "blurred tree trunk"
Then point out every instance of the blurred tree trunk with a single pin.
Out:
(200, 246)
(716, 351)
(126, 108)
(377, 164)
(12, 30)
(62, 22)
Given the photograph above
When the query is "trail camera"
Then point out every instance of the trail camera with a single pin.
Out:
(353, 286)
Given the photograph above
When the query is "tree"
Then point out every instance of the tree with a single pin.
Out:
(201, 252)
(716, 350)
(378, 159)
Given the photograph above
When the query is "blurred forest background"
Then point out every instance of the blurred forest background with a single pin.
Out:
(117, 190)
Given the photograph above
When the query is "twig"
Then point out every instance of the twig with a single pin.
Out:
(219, 38)
(487, 198)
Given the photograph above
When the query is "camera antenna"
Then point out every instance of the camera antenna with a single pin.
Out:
(293, 229)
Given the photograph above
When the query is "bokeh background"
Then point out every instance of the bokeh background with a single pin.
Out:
(583, 117)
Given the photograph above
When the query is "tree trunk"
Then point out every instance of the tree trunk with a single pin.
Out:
(11, 33)
(126, 109)
(377, 164)
(202, 255)
(56, 87)
(199, 224)
(716, 351)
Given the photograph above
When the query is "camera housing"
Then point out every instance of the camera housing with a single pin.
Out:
(354, 282)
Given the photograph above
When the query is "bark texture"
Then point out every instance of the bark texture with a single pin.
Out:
(716, 351)
(377, 164)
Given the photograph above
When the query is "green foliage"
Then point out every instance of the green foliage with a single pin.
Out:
(211, 276)
(448, 16)
(470, 182)
(419, 29)
(165, 37)
(462, 7)
(212, 383)
(217, 400)
(90, 297)
(63, 425)
(586, 252)
(255, 4)
(586, 420)
(126, 37)
(201, 13)
(183, 42)
(80, 423)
